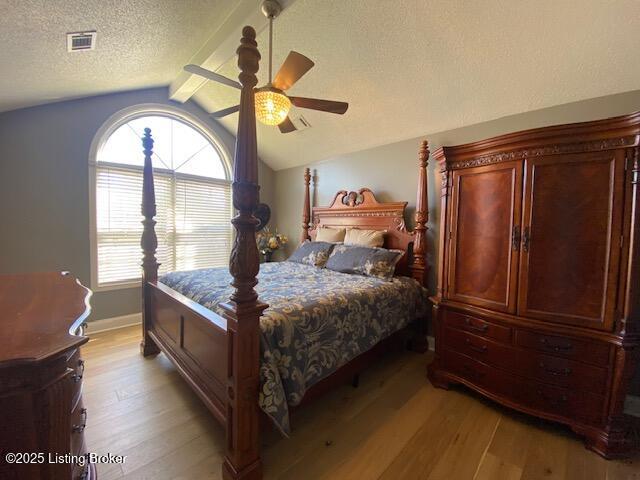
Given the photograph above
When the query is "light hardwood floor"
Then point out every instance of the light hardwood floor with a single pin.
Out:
(395, 425)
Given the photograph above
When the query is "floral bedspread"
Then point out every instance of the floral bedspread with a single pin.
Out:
(317, 321)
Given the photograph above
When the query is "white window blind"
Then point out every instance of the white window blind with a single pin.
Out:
(193, 215)
(202, 224)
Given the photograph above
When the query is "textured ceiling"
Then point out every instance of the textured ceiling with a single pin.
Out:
(411, 67)
(140, 43)
(407, 67)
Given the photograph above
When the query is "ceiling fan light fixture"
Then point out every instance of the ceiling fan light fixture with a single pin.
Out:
(272, 106)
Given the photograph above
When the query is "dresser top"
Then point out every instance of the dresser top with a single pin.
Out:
(38, 312)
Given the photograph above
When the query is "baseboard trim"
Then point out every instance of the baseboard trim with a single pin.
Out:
(107, 324)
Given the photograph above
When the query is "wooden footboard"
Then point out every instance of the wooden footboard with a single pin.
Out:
(195, 339)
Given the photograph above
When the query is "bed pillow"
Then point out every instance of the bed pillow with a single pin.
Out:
(364, 238)
(312, 253)
(371, 262)
(333, 235)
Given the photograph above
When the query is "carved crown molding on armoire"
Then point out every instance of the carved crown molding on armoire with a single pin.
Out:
(538, 298)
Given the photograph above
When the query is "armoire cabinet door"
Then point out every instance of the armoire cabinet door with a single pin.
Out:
(485, 216)
(571, 233)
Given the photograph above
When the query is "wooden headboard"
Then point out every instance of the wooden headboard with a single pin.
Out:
(362, 210)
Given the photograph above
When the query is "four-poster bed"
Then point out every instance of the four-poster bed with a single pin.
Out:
(219, 354)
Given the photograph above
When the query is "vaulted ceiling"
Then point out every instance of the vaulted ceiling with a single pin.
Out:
(140, 43)
(407, 68)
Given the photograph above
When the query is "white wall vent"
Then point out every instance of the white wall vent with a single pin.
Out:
(300, 122)
(81, 41)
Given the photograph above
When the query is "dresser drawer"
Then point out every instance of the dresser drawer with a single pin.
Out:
(546, 368)
(596, 353)
(534, 395)
(76, 364)
(477, 326)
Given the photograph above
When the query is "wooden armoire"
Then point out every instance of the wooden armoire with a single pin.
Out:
(538, 299)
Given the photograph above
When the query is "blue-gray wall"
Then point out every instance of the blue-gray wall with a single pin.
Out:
(44, 187)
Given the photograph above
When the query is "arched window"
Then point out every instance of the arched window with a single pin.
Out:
(193, 197)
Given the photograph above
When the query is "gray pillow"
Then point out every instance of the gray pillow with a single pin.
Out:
(372, 262)
(312, 253)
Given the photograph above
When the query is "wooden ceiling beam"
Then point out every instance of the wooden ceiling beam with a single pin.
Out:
(220, 47)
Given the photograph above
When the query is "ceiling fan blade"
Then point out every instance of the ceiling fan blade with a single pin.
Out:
(225, 111)
(287, 126)
(323, 105)
(216, 77)
(293, 68)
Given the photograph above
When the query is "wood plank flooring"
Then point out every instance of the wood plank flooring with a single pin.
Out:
(395, 425)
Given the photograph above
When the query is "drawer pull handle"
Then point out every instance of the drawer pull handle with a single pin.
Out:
(515, 238)
(476, 348)
(553, 401)
(80, 428)
(78, 376)
(80, 330)
(558, 373)
(555, 347)
(526, 239)
(482, 328)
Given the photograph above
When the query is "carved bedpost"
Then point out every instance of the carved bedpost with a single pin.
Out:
(306, 210)
(149, 242)
(242, 454)
(419, 265)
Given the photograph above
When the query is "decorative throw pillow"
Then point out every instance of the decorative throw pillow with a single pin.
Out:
(333, 235)
(312, 253)
(364, 238)
(372, 262)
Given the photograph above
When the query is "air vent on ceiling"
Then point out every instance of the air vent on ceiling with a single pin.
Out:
(300, 122)
(81, 41)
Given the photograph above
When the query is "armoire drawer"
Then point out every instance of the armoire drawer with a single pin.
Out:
(482, 349)
(467, 368)
(542, 397)
(537, 366)
(562, 401)
(477, 326)
(596, 353)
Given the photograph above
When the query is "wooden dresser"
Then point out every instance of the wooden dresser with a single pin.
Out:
(538, 300)
(41, 410)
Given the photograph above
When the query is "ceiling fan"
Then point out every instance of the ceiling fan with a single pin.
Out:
(272, 104)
